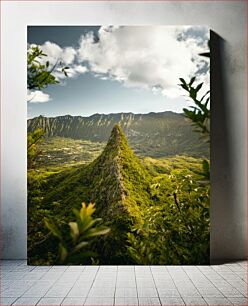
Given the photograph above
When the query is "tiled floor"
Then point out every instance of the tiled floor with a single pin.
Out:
(123, 285)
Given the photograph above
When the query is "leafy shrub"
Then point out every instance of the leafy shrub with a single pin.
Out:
(175, 229)
(199, 114)
(39, 74)
(78, 235)
(33, 151)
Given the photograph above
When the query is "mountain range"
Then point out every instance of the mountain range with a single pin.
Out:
(152, 134)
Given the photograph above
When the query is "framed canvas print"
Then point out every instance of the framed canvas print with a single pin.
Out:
(118, 145)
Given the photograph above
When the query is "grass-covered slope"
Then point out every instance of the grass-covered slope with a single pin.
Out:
(116, 182)
(157, 209)
(118, 179)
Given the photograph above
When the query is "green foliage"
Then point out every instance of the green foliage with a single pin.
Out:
(39, 74)
(58, 152)
(78, 235)
(199, 114)
(167, 164)
(205, 172)
(176, 229)
(33, 140)
(131, 196)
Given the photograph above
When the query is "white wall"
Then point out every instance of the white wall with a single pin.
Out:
(229, 142)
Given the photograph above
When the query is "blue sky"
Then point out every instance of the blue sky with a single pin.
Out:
(118, 69)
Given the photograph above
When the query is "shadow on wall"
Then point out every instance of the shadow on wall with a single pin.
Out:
(222, 208)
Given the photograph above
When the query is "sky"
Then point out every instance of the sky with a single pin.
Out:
(115, 69)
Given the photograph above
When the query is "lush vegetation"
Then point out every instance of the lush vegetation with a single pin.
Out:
(67, 152)
(175, 230)
(76, 235)
(33, 151)
(151, 206)
(157, 210)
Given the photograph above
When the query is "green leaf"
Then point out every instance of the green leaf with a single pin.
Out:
(205, 95)
(193, 93)
(198, 87)
(80, 246)
(97, 232)
(53, 228)
(206, 168)
(183, 81)
(192, 81)
(184, 87)
(74, 230)
(63, 252)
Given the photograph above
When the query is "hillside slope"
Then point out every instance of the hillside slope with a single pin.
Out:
(116, 182)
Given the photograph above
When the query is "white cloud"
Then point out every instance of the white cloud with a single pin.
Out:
(80, 69)
(68, 55)
(146, 57)
(56, 54)
(37, 96)
(61, 57)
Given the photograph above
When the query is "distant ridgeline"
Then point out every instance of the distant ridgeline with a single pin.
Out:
(153, 134)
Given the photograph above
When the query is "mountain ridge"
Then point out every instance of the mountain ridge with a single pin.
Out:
(103, 114)
(116, 181)
(153, 134)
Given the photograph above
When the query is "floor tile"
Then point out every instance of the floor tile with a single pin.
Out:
(102, 292)
(73, 301)
(189, 292)
(27, 301)
(126, 292)
(210, 292)
(130, 285)
(125, 283)
(239, 301)
(149, 301)
(58, 291)
(167, 301)
(99, 301)
(75, 268)
(194, 301)
(164, 292)
(125, 269)
(217, 301)
(121, 301)
(142, 282)
(50, 301)
(79, 291)
(7, 301)
(147, 292)
(230, 292)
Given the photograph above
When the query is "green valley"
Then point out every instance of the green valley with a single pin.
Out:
(65, 152)
(157, 209)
